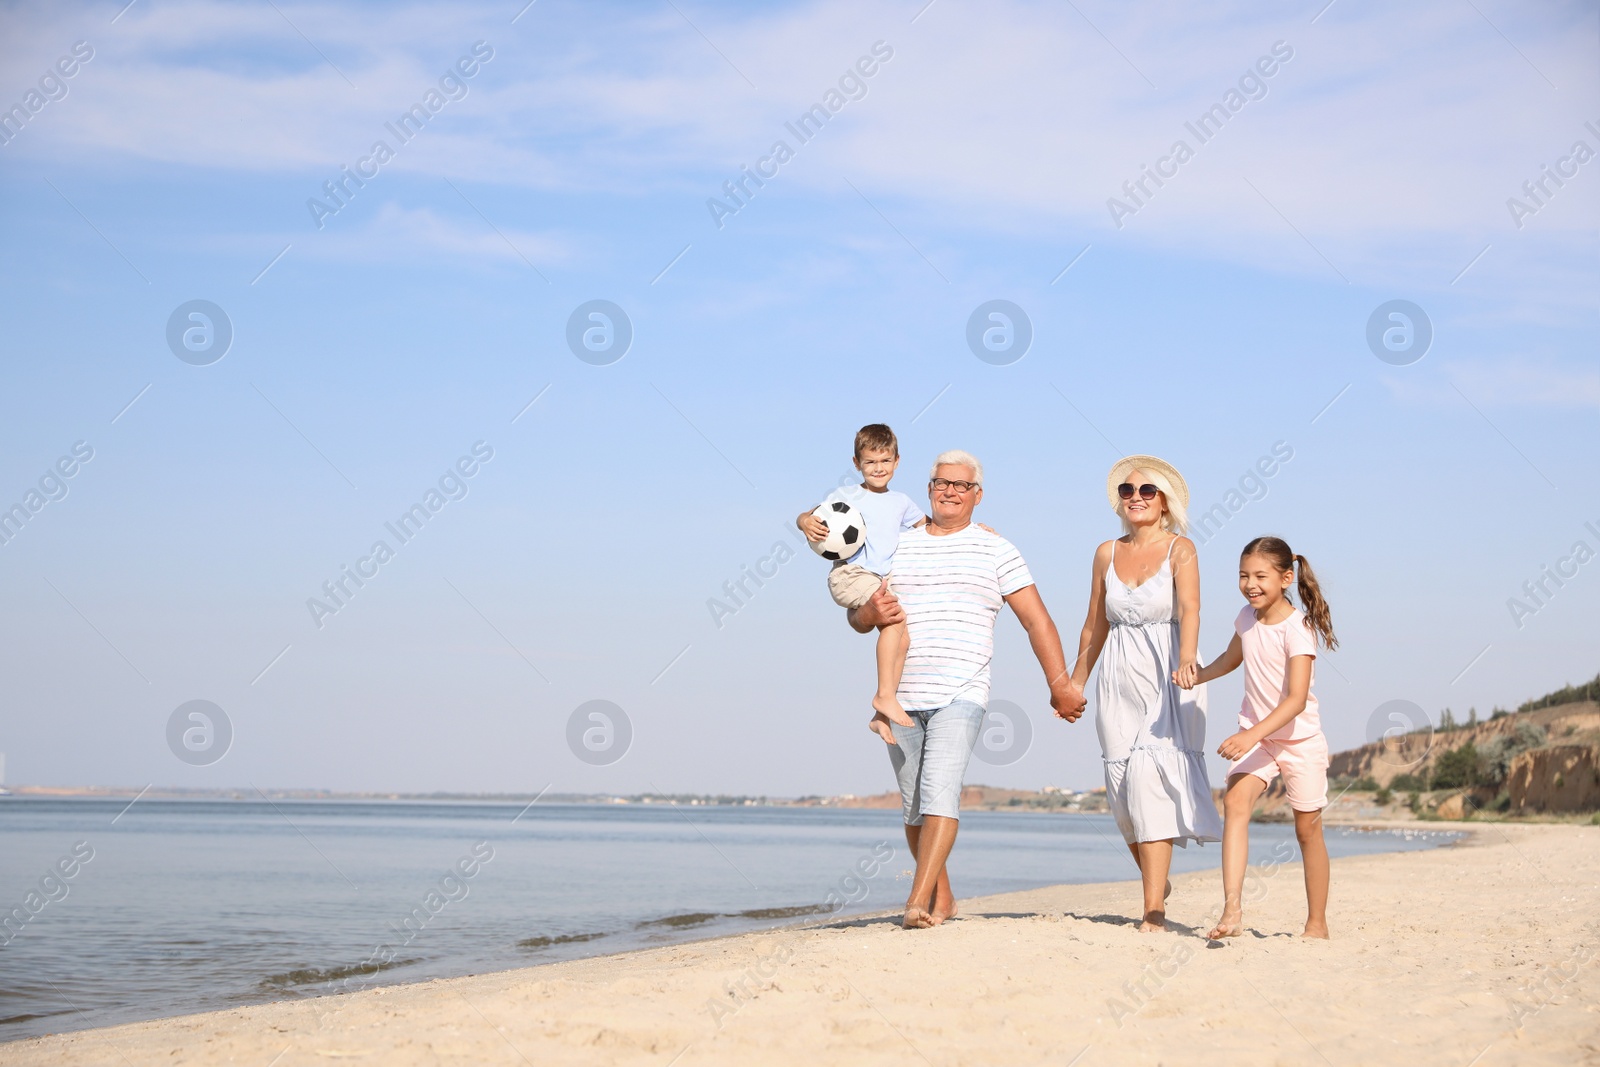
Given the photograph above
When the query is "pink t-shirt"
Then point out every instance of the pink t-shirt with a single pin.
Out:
(1267, 651)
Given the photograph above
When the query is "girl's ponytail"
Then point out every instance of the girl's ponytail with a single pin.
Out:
(1311, 601)
(1313, 604)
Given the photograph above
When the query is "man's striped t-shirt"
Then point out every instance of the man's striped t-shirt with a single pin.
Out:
(951, 589)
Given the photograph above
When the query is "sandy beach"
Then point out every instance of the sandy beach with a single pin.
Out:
(1480, 952)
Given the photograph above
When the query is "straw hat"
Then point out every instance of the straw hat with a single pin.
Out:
(1154, 464)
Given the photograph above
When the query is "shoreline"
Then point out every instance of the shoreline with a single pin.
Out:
(1347, 808)
(1020, 977)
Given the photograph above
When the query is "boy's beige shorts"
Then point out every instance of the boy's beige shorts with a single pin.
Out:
(852, 585)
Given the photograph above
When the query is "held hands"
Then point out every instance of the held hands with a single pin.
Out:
(1068, 700)
(1187, 676)
(1236, 746)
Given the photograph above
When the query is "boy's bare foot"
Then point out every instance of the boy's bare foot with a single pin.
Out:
(1155, 922)
(916, 918)
(1230, 925)
(880, 726)
(889, 706)
(1315, 929)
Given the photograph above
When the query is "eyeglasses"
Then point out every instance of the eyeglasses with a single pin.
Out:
(1146, 491)
(939, 485)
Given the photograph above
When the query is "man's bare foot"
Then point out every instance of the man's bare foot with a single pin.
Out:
(1155, 922)
(890, 706)
(916, 918)
(880, 726)
(1315, 929)
(941, 913)
(1230, 925)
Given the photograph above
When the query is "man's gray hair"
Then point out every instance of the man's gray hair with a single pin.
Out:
(957, 458)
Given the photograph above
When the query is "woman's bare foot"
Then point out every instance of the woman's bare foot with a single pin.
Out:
(916, 918)
(1168, 892)
(1315, 929)
(1230, 925)
(1155, 922)
(887, 704)
(941, 912)
(880, 726)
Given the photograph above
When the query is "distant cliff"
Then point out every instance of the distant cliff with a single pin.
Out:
(1560, 772)
(1558, 778)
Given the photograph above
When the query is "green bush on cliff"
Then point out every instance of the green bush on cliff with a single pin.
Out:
(1409, 783)
(1494, 758)
(1457, 768)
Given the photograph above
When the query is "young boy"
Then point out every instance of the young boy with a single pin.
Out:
(854, 581)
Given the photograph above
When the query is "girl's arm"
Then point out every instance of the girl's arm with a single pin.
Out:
(1226, 663)
(1298, 687)
(1095, 627)
(1186, 579)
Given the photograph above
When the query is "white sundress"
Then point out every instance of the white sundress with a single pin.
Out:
(1152, 734)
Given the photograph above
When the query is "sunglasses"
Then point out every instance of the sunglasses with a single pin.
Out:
(1146, 491)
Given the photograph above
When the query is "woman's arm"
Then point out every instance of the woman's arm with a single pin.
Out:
(1186, 581)
(1226, 663)
(1092, 638)
(1292, 704)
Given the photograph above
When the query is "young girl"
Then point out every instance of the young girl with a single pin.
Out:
(1279, 729)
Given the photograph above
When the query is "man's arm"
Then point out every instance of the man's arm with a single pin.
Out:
(1065, 695)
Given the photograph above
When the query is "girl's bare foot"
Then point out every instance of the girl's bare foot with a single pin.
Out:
(887, 704)
(916, 918)
(880, 726)
(1230, 925)
(1155, 922)
(1315, 929)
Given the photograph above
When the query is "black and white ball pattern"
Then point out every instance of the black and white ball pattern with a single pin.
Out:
(847, 531)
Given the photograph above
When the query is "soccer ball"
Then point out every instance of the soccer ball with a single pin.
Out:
(847, 531)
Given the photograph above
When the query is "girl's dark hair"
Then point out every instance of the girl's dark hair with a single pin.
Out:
(1311, 602)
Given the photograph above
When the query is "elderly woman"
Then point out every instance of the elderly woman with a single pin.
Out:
(1144, 618)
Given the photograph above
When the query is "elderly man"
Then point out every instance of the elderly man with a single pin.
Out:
(950, 579)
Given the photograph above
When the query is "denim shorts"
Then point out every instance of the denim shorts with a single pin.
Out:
(931, 759)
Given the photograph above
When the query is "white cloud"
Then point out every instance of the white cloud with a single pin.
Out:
(1390, 141)
(396, 233)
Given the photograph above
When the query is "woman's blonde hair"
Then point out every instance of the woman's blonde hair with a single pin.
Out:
(1174, 516)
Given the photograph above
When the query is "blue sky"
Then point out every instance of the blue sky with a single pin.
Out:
(1225, 315)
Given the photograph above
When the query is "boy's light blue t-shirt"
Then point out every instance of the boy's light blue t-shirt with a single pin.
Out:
(887, 514)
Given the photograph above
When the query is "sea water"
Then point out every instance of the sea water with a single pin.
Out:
(196, 905)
